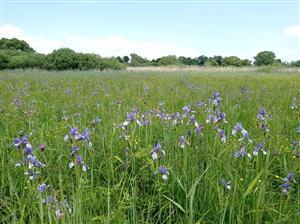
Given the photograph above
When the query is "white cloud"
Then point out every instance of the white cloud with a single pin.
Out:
(41, 45)
(292, 31)
(9, 31)
(108, 46)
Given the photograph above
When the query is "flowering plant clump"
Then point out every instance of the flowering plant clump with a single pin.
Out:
(75, 137)
(29, 160)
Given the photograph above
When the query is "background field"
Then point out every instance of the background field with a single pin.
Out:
(122, 183)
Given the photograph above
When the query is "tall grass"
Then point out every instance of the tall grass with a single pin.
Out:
(122, 183)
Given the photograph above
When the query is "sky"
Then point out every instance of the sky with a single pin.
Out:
(155, 28)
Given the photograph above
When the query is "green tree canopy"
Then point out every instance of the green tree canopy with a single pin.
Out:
(265, 58)
(15, 44)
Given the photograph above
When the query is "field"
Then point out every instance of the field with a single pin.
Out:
(110, 147)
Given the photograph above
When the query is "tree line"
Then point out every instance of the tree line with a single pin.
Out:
(17, 54)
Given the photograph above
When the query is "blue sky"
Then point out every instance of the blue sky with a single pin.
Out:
(154, 29)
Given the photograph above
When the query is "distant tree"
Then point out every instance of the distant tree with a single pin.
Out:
(233, 61)
(246, 62)
(87, 61)
(120, 59)
(4, 61)
(201, 60)
(109, 63)
(187, 60)
(15, 44)
(295, 63)
(219, 59)
(211, 62)
(62, 59)
(137, 60)
(265, 58)
(126, 59)
(169, 60)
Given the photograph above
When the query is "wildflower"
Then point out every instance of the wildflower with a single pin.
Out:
(24, 140)
(241, 153)
(199, 128)
(262, 114)
(186, 109)
(17, 142)
(48, 200)
(286, 187)
(157, 151)
(216, 99)
(42, 187)
(200, 104)
(74, 150)
(298, 130)
(34, 162)
(66, 138)
(74, 132)
(258, 148)
(221, 134)
(239, 128)
(59, 214)
(192, 119)
(164, 173)
(42, 147)
(244, 89)
(225, 183)
(86, 135)
(28, 148)
(80, 161)
(32, 174)
(289, 178)
(183, 142)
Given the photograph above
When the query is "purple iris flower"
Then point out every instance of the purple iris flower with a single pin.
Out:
(157, 151)
(216, 98)
(17, 142)
(28, 149)
(298, 130)
(259, 147)
(74, 150)
(31, 174)
(241, 153)
(131, 116)
(199, 128)
(238, 127)
(262, 114)
(183, 142)
(244, 89)
(192, 119)
(79, 159)
(164, 172)
(34, 162)
(186, 109)
(285, 187)
(73, 131)
(86, 134)
(42, 187)
(290, 177)
(24, 140)
(221, 134)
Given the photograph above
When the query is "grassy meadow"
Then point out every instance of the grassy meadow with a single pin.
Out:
(149, 147)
